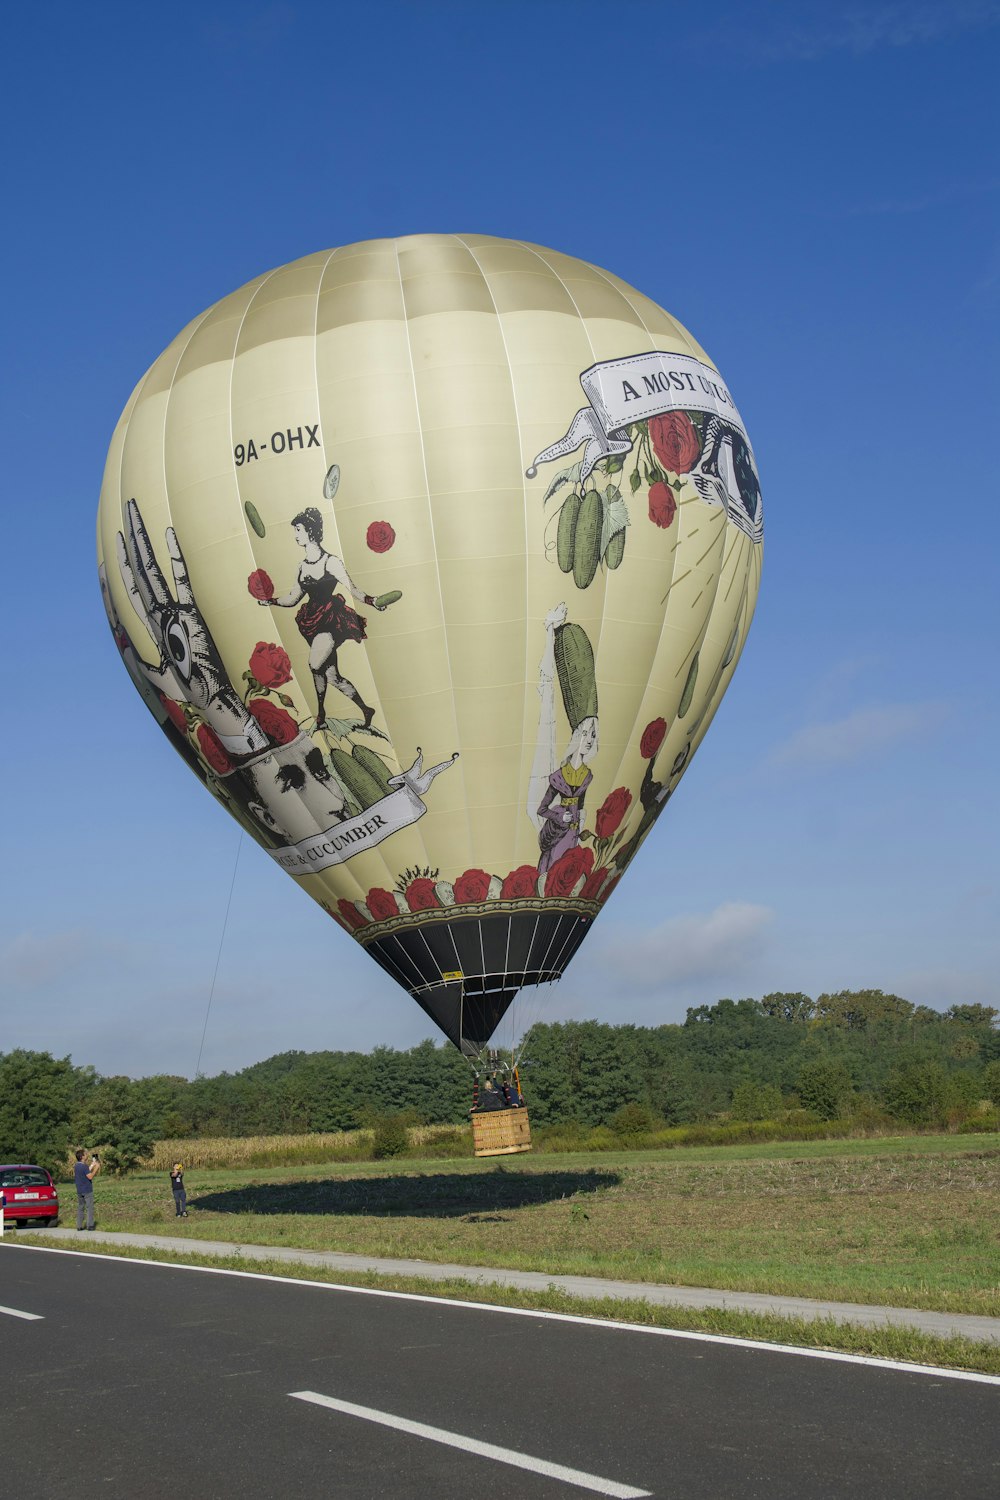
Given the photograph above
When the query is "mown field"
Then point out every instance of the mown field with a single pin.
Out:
(910, 1221)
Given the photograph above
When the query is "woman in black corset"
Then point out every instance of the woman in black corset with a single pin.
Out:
(325, 620)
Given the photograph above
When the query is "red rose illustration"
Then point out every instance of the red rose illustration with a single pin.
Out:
(211, 749)
(652, 738)
(380, 536)
(350, 914)
(595, 880)
(381, 904)
(420, 894)
(662, 505)
(474, 885)
(270, 665)
(609, 887)
(274, 721)
(175, 714)
(616, 804)
(566, 871)
(675, 441)
(260, 585)
(520, 883)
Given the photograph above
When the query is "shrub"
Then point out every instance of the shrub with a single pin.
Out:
(756, 1101)
(631, 1120)
(991, 1080)
(824, 1087)
(389, 1138)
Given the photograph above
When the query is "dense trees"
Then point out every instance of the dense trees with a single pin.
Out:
(860, 1053)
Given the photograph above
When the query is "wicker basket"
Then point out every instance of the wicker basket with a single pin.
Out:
(500, 1132)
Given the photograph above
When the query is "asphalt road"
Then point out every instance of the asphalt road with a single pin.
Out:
(133, 1380)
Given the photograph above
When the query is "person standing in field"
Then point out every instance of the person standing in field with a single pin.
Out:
(84, 1173)
(177, 1188)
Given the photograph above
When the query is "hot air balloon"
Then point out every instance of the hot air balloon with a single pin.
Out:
(434, 557)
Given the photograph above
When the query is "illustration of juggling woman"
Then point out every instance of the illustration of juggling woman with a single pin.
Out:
(325, 619)
(558, 788)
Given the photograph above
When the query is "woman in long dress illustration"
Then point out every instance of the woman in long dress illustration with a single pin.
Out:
(325, 619)
(558, 788)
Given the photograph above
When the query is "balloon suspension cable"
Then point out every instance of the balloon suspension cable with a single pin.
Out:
(218, 956)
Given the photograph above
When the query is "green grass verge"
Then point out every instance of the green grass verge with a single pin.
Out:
(905, 1221)
(909, 1345)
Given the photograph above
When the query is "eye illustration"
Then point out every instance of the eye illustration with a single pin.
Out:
(179, 647)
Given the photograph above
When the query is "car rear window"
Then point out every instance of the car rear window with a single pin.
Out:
(24, 1177)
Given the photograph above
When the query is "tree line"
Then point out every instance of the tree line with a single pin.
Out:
(858, 1054)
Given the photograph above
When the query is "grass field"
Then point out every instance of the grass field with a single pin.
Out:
(909, 1221)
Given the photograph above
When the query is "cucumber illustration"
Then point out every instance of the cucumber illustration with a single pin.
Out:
(575, 666)
(615, 550)
(567, 532)
(356, 779)
(731, 648)
(375, 767)
(390, 598)
(688, 693)
(253, 516)
(587, 540)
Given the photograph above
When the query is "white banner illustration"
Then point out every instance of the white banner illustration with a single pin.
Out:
(334, 845)
(387, 816)
(621, 391)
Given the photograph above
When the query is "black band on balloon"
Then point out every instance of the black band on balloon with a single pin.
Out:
(465, 971)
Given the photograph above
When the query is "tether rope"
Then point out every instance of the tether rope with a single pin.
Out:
(218, 956)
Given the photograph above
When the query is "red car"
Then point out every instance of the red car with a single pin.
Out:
(28, 1193)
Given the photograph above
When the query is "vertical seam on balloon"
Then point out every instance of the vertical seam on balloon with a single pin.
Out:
(524, 510)
(264, 280)
(331, 876)
(405, 983)
(138, 397)
(617, 779)
(565, 925)
(593, 352)
(437, 564)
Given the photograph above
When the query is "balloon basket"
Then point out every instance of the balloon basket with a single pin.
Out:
(501, 1132)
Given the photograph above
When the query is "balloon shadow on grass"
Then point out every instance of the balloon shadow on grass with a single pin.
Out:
(423, 1196)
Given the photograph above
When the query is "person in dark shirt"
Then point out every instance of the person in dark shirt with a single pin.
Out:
(177, 1188)
(84, 1173)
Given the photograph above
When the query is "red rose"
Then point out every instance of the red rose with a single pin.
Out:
(520, 883)
(212, 750)
(652, 738)
(420, 894)
(260, 585)
(380, 536)
(276, 724)
(350, 914)
(616, 804)
(566, 871)
(270, 665)
(381, 904)
(595, 880)
(609, 887)
(474, 885)
(662, 505)
(176, 714)
(675, 441)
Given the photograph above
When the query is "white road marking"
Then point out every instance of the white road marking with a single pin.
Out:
(759, 1346)
(482, 1450)
(13, 1312)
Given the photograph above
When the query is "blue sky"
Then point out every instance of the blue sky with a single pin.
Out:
(811, 189)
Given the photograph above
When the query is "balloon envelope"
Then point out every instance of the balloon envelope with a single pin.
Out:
(434, 557)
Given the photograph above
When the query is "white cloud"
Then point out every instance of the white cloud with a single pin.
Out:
(697, 946)
(857, 735)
